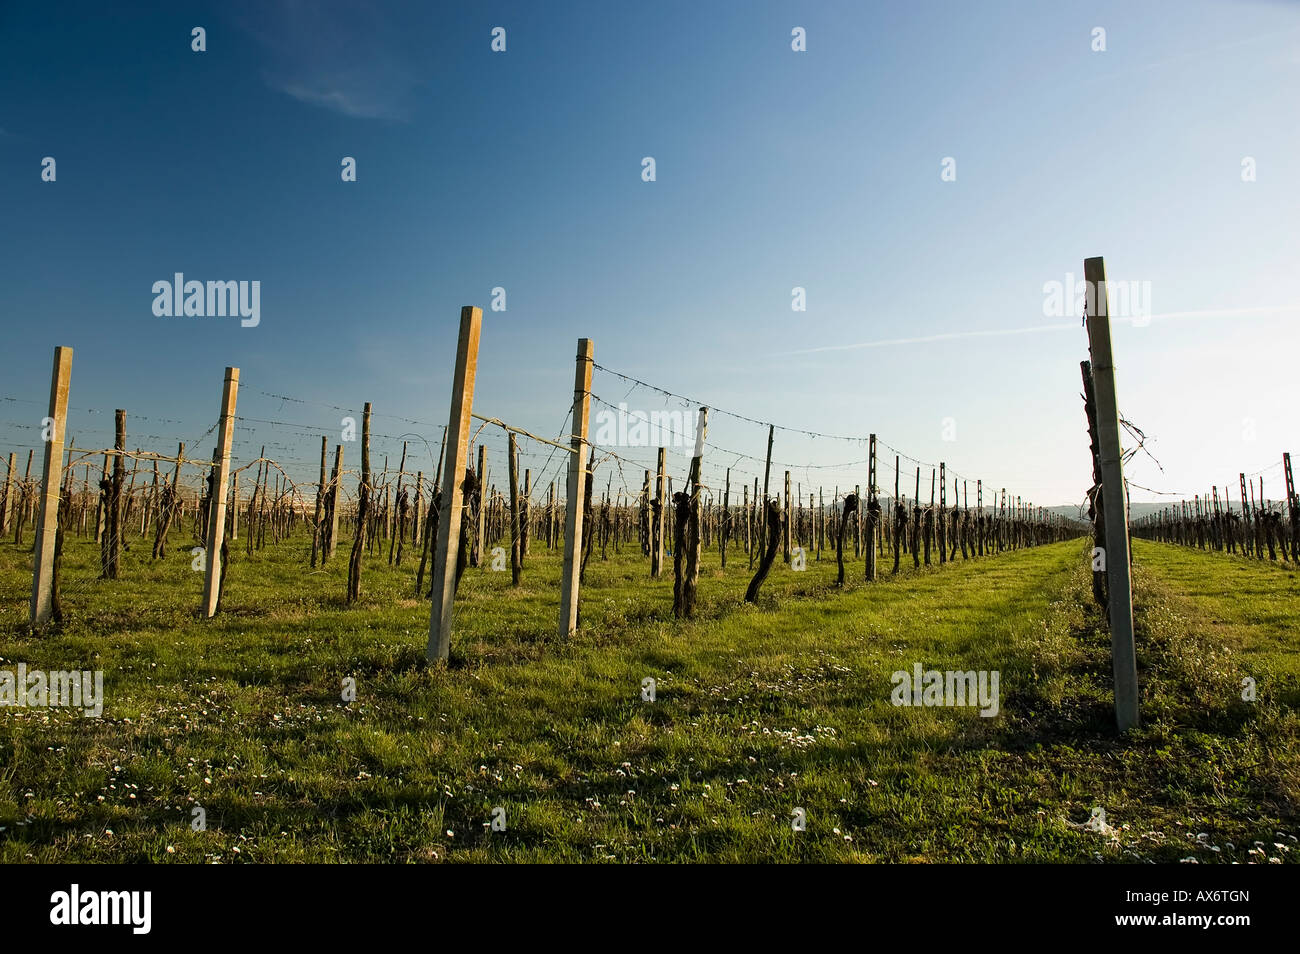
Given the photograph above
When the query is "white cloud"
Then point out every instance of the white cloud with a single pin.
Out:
(327, 55)
(1058, 326)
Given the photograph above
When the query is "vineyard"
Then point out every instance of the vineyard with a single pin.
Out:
(1261, 526)
(572, 434)
(154, 500)
(627, 643)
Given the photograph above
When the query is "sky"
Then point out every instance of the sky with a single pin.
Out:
(928, 316)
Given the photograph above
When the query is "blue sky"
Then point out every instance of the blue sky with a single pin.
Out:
(774, 169)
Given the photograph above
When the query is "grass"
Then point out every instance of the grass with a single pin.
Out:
(758, 711)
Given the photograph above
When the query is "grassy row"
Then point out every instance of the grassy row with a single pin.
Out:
(758, 711)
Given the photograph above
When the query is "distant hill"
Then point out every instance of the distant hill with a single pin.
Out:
(1137, 510)
(1079, 512)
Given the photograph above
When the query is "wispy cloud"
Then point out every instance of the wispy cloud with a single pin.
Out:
(1057, 326)
(328, 55)
(947, 336)
(1283, 41)
(332, 93)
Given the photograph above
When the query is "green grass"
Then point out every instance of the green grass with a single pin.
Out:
(758, 710)
(1249, 606)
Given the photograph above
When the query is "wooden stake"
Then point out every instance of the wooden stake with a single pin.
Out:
(234, 506)
(318, 522)
(336, 478)
(217, 518)
(1119, 584)
(359, 532)
(480, 508)
(452, 481)
(726, 518)
(516, 540)
(786, 511)
(7, 501)
(749, 522)
(873, 514)
(819, 520)
(569, 580)
(1293, 508)
(111, 552)
(942, 539)
(526, 515)
(550, 516)
(393, 518)
(47, 523)
(692, 578)
(659, 517)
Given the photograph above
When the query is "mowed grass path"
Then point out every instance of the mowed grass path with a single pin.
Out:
(1250, 606)
(758, 711)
